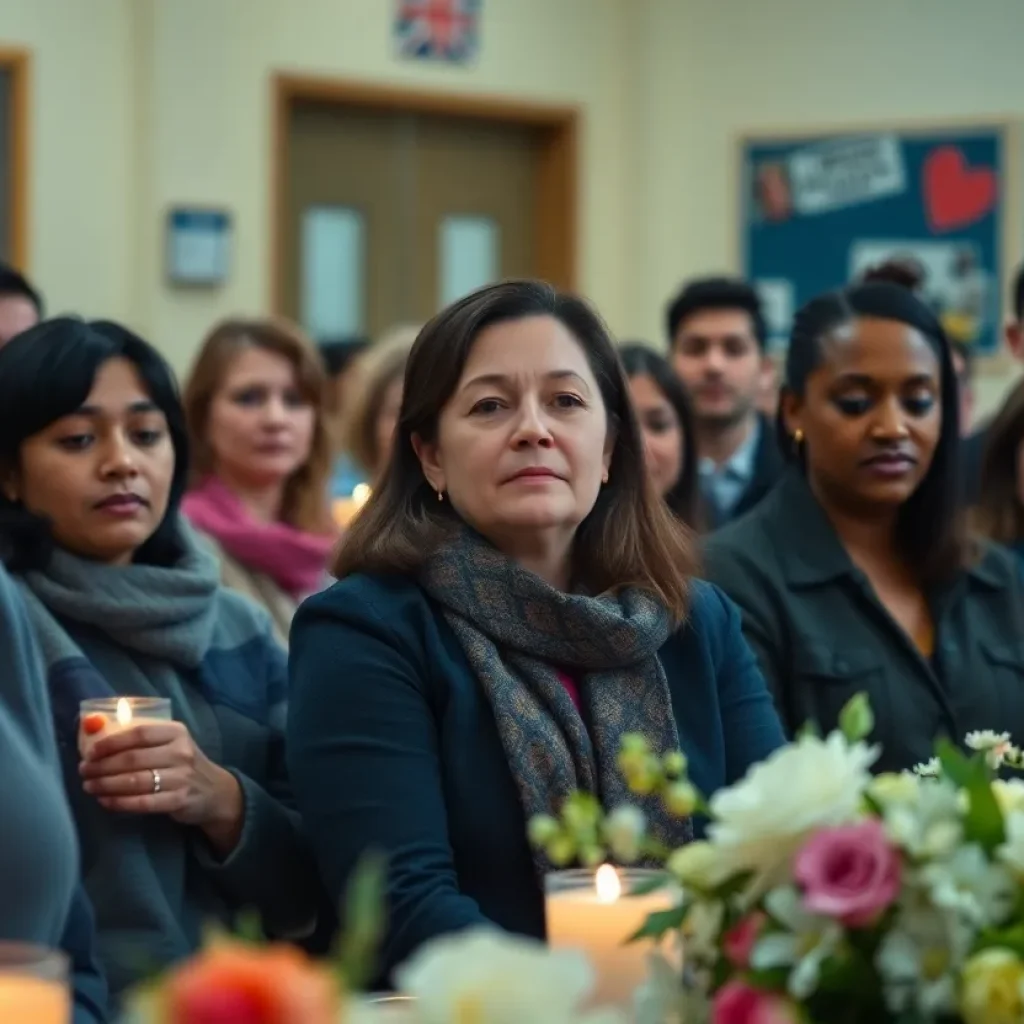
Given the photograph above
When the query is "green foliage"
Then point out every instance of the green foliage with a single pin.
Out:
(363, 922)
(856, 720)
(983, 822)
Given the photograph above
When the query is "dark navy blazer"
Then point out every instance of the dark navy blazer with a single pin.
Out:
(392, 744)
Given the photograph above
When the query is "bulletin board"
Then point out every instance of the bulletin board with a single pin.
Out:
(816, 210)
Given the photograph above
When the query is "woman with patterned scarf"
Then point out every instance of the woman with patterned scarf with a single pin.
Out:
(183, 822)
(513, 599)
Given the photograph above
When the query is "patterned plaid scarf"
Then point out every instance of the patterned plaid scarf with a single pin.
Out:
(517, 632)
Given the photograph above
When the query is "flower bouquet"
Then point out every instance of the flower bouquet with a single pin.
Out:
(480, 976)
(825, 895)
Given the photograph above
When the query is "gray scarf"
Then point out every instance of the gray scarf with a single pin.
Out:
(165, 613)
(518, 632)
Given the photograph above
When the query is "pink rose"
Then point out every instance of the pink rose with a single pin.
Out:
(851, 873)
(736, 1002)
(739, 940)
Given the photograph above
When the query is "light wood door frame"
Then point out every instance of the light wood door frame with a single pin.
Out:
(17, 63)
(555, 206)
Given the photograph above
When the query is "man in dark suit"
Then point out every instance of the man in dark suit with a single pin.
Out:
(717, 333)
(974, 446)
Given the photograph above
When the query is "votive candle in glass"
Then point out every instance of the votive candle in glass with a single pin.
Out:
(593, 911)
(100, 717)
(34, 985)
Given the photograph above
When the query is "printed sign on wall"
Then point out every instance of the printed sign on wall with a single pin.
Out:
(816, 212)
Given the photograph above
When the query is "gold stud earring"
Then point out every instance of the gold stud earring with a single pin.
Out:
(798, 436)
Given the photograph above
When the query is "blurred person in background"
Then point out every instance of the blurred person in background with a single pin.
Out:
(341, 360)
(974, 445)
(666, 423)
(376, 397)
(255, 406)
(181, 823)
(21, 305)
(43, 901)
(717, 336)
(854, 575)
(999, 513)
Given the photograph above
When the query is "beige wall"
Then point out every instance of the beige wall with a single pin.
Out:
(80, 217)
(209, 124)
(142, 103)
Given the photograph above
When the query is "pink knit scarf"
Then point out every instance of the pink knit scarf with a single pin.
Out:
(294, 559)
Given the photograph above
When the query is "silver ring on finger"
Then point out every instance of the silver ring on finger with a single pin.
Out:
(156, 780)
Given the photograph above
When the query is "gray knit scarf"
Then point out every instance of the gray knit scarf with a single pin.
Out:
(518, 632)
(165, 614)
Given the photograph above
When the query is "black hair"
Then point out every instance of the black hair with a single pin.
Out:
(338, 353)
(640, 360)
(927, 528)
(716, 293)
(46, 373)
(13, 283)
(1017, 298)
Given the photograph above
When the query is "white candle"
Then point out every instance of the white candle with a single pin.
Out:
(594, 912)
(104, 716)
(33, 985)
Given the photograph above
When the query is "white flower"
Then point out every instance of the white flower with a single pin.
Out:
(996, 745)
(970, 885)
(1011, 852)
(920, 957)
(892, 788)
(760, 822)
(809, 940)
(695, 865)
(491, 977)
(930, 769)
(624, 832)
(659, 999)
(1009, 794)
(932, 825)
(702, 929)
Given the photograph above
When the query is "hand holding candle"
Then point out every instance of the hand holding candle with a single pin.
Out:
(146, 765)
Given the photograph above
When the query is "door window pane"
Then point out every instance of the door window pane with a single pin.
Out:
(469, 256)
(333, 282)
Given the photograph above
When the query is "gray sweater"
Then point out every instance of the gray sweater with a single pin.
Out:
(42, 902)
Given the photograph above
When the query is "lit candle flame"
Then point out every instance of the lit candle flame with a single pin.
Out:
(609, 888)
(360, 494)
(124, 712)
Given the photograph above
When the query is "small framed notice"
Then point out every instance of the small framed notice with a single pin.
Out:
(198, 246)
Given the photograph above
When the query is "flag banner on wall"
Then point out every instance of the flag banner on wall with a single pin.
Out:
(817, 211)
(442, 30)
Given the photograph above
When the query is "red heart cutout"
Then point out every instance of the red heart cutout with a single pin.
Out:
(956, 195)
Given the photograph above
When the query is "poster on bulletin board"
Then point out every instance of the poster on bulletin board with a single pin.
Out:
(817, 211)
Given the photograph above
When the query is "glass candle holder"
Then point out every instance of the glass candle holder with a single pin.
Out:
(593, 911)
(99, 717)
(34, 985)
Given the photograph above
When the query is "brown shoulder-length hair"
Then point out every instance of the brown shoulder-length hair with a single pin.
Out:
(999, 514)
(305, 503)
(629, 539)
(379, 367)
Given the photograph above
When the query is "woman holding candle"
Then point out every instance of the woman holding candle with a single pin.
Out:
(514, 598)
(261, 460)
(180, 822)
(42, 901)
